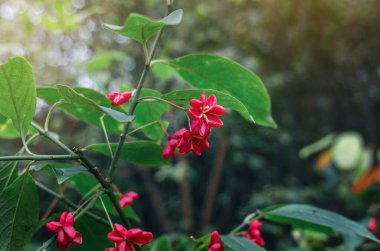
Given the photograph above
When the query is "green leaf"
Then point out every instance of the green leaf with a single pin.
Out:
(162, 244)
(240, 244)
(143, 153)
(222, 74)
(224, 99)
(141, 28)
(8, 173)
(7, 129)
(71, 96)
(19, 212)
(147, 112)
(62, 172)
(317, 146)
(88, 186)
(93, 233)
(304, 216)
(18, 93)
(51, 95)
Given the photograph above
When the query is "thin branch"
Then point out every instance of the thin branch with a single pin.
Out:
(105, 133)
(48, 116)
(40, 157)
(106, 212)
(146, 125)
(69, 202)
(153, 99)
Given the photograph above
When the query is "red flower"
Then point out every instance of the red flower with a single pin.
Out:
(216, 243)
(193, 141)
(254, 233)
(172, 144)
(126, 239)
(128, 199)
(119, 98)
(205, 113)
(372, 225)
(66, 234)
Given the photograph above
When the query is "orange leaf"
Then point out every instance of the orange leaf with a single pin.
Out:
(323, 160)
(369, 178)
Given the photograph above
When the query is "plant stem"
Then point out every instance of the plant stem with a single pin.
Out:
(112, 168)
(146, 125)
(248, 219)
(105, 133)
(91, 168)
(152, 99)
(93, 198)
(69, 202)
(47, 243)
(48, 116)
(40, 157)
(106, 212)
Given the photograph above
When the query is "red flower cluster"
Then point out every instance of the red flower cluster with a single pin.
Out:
(372, 226)
(126, 239)
(254, 233)
(118, 98)
(205, 114)
(128, 199)
(66, 234)
(216, 243)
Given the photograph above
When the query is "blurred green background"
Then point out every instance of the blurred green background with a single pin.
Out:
(320, 61)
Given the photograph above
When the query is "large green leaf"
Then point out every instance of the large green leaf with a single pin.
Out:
(224, 99)
(143, 153)
(51, 95)
(7, 129)
(94, 234)
(141, 28)
(19, 212)
(162, 244)
(61, 171)
(147, 112)
(73, 97)
(222, 74)
(88, 186)
(18, 93)
(305, 216)
(240, 244)
(8, 173)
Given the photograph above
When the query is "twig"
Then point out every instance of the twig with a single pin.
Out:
(69, 202)
(40, 157)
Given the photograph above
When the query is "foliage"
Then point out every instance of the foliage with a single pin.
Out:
(235, 87)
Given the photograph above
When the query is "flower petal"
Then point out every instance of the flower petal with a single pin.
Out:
(115, 237)
(78, 239)
(62, 219)
(70, 232)
(214, 121)
(53, 226)
(125, 201)
(217, 110)
(195, 113)
(196, 103)
(61, 238)
(120, 230)
(145, 238)
(211, 101)
(69, 219)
